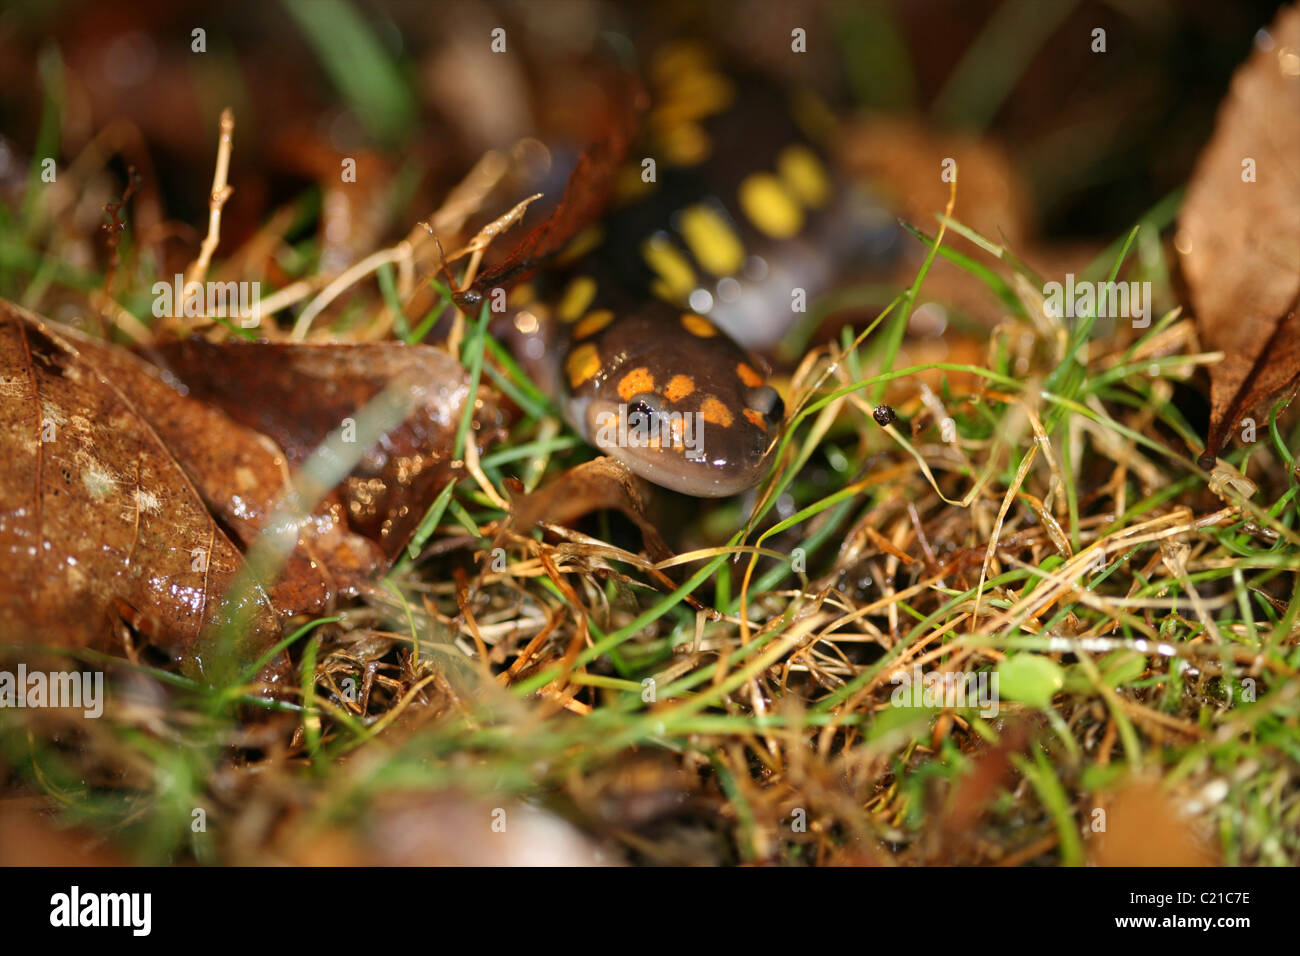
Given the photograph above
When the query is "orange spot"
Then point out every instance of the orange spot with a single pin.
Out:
(635, 382)
(755, 418)
(582, 364)
(715, 413)
(592, 323)
(679, 387)
(698, 325)
(748, 375)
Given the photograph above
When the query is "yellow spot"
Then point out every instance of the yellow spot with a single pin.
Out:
(698, 325)
(715, 413)
(581, 244)
(678, 56)
(521, 295)
(755, 418)
(692, 96)
(577, 297)
(685, 144)
(712, 242)
(770, 206)
(635, 382)
(748, 375)
(592, 323)
(679, 386)
(803, 173)
(629, 186)
(671, 265)
(582, 364)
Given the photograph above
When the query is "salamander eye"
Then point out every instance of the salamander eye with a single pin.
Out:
(642, 408)
(765, 399)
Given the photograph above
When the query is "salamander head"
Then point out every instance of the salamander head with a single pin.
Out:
(674, 399)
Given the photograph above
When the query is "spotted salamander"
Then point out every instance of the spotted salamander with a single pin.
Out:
(641, 329)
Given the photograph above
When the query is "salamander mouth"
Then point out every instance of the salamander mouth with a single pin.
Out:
(700, 480)
(677, 449)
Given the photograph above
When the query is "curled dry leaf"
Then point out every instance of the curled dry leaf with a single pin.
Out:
(596, 485)
(243, 478)
(100, 524)
(298, 395)
(126, 497)
(1239, 235)
(588, 190)
(1146, 825)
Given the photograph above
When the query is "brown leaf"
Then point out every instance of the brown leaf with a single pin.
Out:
(1240, 241)
(596, 485)
(243, 477)
(298, 394)
(585, 196)
(1147, 826)
(31, 837)
(991, 197)
(99, 522)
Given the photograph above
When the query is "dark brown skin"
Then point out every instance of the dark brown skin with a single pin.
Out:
(747, 224)
(672, 397)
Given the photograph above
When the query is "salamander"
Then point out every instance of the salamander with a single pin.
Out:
(642, 328)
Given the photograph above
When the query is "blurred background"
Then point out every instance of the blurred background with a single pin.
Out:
(415, 93)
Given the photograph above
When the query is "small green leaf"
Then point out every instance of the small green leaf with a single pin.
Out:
(906, 722)
(1030, 679)
(1123, 667)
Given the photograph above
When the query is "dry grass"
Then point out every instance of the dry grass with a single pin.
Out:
(1036, 515)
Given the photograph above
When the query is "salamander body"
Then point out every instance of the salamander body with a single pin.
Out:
(642, 328)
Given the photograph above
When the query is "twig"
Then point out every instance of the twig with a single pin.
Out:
(346, 278)
(197, 270)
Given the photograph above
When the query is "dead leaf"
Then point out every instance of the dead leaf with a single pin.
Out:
(298, 394)
(1147, 826)
(31, 836)
(243, 477)
(1239, 235)
(595, 485)
(100, 523)
(990, 196)
(588, 190)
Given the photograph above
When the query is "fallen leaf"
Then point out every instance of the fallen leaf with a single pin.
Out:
(1144, 825)
(990, 196)
(100, 524)
(585, 196)
(297, 395)
(31, 836)
(243, 477)
(596, 485)
(1239, 235)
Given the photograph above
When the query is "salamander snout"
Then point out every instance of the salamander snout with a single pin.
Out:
(690, 413)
